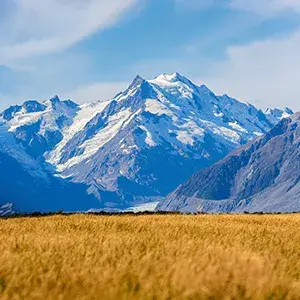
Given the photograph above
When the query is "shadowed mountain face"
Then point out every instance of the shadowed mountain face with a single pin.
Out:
(140, 145)
(28, 184)
(38, 192)
(264, 175)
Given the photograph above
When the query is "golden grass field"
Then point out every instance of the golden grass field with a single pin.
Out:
(150, 257)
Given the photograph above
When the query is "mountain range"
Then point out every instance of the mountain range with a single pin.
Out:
(114, 154)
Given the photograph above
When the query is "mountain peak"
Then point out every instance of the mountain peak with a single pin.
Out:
(275, 114)
(203, 88)
(55, 99)
(277, 110)
(288, 110)
(9, 113)
(31, 106)
(55, 102)
(171, 77)
(71, 104)
(138, 80)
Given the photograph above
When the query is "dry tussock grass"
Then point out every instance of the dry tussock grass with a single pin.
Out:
(150, 257)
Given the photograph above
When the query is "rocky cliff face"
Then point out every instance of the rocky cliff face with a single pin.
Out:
(264, 175)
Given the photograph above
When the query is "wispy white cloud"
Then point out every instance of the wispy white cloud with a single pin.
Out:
(266, 7)
(34, 27)
(264, 73)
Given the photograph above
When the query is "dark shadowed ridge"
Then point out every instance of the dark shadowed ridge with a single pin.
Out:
(263, 175)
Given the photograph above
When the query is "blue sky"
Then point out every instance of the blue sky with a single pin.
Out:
(88, 50)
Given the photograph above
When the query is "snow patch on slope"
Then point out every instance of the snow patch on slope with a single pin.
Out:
(9, 146)
(84, 115)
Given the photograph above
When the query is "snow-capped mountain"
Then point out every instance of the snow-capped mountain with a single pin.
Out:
(263, 176)
(141, 144)
(38, 126)
(28, 183)
(275, 115)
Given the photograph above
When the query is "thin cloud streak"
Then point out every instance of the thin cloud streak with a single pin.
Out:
(34, 27)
